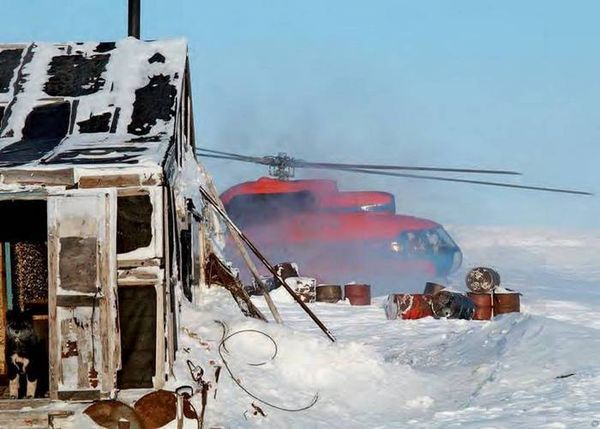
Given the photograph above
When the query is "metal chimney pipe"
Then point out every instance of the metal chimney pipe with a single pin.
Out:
(134, 19)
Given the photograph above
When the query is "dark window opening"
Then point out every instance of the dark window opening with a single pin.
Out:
(137, 316)
(24, 291)
(251, 209)
(134, 223)
(9, 61)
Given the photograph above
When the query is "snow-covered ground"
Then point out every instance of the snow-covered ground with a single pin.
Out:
(536, 369)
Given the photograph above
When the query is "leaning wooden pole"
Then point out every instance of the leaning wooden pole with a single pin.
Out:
(251, 266)
(266, 263)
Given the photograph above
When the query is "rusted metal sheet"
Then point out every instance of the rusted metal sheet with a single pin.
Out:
(507, 303)
(157, 409)
(329, 293)
(358, 294)
(108, 413)
(482, 280)
(218, 273)
(483, 305)
(452, 305)
(408, 306)
(432, 288)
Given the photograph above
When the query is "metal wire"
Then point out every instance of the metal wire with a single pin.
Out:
(239, 384)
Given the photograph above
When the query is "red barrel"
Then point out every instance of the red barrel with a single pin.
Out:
(507, 303)
(483, 305)
(408, 306)
(358, 294)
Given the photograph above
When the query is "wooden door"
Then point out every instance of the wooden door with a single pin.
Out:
(83, 315)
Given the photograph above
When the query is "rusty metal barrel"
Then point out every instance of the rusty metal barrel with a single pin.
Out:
(452, 305)
(432, 288)
(483, 305)
(408, 306)
(507, 303)
(482, 280)
(286, 270)
(329, 293)
(358, 294)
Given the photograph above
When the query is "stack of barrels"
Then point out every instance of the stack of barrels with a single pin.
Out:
(356, 293)
(436, 301)
(490, 300)
(484, 300)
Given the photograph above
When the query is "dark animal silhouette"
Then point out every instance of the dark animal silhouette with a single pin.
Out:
(24, 354)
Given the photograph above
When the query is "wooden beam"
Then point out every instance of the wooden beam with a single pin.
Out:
(54, 349)
(110, 181)
(133, 263)
(77, 300)
(56, 177)
(79, 395)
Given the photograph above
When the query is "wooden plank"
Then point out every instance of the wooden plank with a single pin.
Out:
(79, 395)
(159, 378)
(133, 263)
(18, 404)
(110, 307)
(76, 300)
(132, 191)
(110, 181)
(54, 350)
(57, 177)
(170, 303)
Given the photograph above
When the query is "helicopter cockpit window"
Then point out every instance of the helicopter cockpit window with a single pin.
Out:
(246, 210)
(430, 241)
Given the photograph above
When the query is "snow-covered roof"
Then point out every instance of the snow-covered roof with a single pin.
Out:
(89, 104)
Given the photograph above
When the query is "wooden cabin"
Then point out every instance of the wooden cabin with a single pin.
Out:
(97, 177)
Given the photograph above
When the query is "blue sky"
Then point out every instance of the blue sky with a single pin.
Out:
(475, 83)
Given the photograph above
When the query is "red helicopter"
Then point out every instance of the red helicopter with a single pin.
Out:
(340, 236)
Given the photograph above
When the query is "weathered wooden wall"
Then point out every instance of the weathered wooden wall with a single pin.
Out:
(3, 310)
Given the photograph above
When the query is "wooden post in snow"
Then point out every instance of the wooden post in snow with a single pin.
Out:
(251, 266)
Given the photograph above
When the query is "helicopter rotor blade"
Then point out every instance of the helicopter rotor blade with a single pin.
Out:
(378, 170)
(457, 180)
(325, 165)
(232, 157)
(266, 160)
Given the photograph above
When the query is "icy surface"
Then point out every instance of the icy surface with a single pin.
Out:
(537, 369)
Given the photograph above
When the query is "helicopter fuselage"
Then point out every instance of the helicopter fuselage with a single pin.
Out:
(339, 236)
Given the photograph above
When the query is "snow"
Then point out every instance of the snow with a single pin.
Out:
(536, 369)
